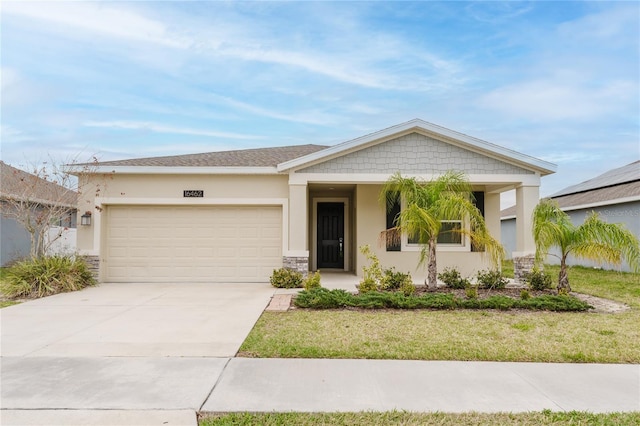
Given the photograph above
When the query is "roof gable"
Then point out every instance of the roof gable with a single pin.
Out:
(432, 131)
(414, 153)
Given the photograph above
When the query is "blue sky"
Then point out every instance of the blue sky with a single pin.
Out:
(555, 80)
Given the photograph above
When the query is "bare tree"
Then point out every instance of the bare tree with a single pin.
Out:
(41, 198)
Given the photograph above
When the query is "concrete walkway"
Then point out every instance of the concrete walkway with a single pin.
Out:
(306, 385)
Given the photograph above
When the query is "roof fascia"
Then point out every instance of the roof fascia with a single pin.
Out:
(541, 166)
(160, 170)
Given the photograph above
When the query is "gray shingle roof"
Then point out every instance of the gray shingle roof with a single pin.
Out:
(259, 157)
(19, 185)
(613, 185)
(628, 173)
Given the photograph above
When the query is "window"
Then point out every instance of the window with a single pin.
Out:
(393, 210)
(449, 234)
(449, 239)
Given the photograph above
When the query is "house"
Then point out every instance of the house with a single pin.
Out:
(18, 187)
(237, 215)
(615, 195)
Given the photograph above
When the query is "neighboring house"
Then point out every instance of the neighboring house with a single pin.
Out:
(237, 215)
(615, 195)
(18, 186)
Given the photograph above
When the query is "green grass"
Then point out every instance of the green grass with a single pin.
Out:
(5, 303)
(462, 335)
(405, 418)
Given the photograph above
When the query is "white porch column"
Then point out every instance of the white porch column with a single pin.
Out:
(492, 214)
(297, 255)
(527, 198)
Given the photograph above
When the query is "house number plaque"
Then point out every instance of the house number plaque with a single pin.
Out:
(197, 193)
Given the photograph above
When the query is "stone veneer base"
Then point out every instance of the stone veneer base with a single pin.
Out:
(522, 266)
(296, 263)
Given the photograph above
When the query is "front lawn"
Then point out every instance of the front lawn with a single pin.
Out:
(462, 335)
(406, 418)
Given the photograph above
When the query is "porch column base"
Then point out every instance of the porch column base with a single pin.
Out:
(296, 263)
(93, 263)
(523, 263)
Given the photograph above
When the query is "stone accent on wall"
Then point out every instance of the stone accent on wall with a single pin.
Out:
(415, 153)
(296, 263)
(521, 266)
(94, 265)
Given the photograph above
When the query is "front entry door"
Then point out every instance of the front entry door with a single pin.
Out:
(331, 235)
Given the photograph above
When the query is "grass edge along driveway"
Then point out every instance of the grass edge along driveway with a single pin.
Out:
(462, 335)
(405, 418)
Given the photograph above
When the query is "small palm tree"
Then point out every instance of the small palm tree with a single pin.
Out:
(428, 204)
(595, 239)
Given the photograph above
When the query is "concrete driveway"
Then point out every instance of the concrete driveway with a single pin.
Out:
(204, 320)
(123, 347)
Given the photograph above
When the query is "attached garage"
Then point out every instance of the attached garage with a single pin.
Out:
(192, 243)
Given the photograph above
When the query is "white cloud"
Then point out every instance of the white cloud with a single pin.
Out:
(559, 99)
(361, 65)
(307, 117)
(161, 128)
(101, 18)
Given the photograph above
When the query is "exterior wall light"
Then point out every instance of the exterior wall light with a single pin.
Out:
(85, 219)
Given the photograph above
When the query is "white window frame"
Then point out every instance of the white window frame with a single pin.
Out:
(465, 246)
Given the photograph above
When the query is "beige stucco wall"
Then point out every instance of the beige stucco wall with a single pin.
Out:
(168, 188)
(371, 220)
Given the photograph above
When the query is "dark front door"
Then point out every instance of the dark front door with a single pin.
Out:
(331, 235)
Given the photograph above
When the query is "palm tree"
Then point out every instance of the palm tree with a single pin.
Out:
(595, 239)
(448, 197)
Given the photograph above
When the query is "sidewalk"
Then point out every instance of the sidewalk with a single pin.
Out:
(328, 385)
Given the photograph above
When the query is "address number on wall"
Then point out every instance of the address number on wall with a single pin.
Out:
(198, 193)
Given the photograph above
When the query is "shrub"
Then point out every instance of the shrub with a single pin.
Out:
(524, 295)
(367, 285)
(538, 280)
(312, 281)
(45, 276)
(452, 279)
(407, 288)
(471, 292)
(373, 271)
(491, 279)
(393, 280)
(286, 278)
(322, 298)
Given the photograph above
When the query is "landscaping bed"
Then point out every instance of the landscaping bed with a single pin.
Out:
(442, 299)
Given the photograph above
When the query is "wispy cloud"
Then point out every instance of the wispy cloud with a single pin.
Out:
(101, 18)
(161, 128)
(366, 68)
(553, 100)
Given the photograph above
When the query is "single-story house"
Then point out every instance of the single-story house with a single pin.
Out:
(615, 195)
(19, 187)
(238, 215)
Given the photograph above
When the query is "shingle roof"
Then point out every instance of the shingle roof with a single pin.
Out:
(259, 157)
(613, 185)
(20, 185)
(625, 174)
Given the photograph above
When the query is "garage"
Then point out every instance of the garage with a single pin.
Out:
(192, 243)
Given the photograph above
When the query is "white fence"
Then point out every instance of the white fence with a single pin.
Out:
(65, 244)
